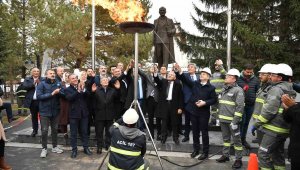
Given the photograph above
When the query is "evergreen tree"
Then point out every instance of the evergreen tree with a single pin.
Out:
(263, 31)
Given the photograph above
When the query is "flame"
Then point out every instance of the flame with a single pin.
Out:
(120, 10)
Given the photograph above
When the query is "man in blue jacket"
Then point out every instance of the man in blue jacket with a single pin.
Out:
(47, 93)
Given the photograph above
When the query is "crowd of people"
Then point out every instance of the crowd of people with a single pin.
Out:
(228, 99)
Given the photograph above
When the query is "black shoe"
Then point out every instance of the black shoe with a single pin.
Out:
(255, 140)
(163, 140)
(185, 139)
(87, 151)
(176, 141)
(246, 145)
(33, 134)
(106, 147)
(222, 159)
(203, 156)
(194, 154)
(158, 137)
(237, 164)
(74, 154)
(99, 151)
(12, 119)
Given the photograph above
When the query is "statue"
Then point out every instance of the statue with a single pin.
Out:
(163, 39)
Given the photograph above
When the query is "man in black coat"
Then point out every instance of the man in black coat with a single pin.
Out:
(31, 102)
(170, 103)
(152, 101)
(119, 104)
(142, 85)
(291, 115)
(105, 98)
(203, 96)
(77, 94)
(250, 84)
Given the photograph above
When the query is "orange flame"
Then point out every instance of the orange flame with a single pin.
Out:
(120, 10)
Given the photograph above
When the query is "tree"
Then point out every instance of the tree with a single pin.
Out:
(263, 32)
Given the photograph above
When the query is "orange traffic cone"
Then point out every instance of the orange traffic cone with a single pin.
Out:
(253, 162)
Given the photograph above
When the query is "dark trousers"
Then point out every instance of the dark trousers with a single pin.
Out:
(200, 124)
(151, 108)
(91, 118)
(100, 125)
(187, 126)
(248, 110)
(2, 145)
(83, 124)
(295, 165)
(7, 107)
(45, 122)
(141, 123)
(34, 110)
(173, 116)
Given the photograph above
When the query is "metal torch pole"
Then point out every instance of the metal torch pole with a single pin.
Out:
(136, 53)
(93, 34)
(229, 35)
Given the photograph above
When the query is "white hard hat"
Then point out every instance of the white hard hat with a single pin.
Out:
(267, 68)
(283, 69)
(206, 70)
(233, 72)
(130, 116)
(219, 62)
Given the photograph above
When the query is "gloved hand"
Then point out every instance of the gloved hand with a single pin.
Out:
(253, 129)
(233, 126)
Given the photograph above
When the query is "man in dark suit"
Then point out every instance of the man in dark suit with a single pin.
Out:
(187, 93)
(142, 85)
(31, 102)
(105, 98)
(119, 104)
(170, 103)
(78, 114)
(152, 101)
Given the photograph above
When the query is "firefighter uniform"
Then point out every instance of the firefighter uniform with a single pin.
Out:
(260, 100)
(217, 81)
(128, 146)
(231, 107)
(275, 129)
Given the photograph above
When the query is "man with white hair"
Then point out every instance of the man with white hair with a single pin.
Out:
(128, 143)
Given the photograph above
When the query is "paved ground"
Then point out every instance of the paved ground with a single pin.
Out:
(25, 156)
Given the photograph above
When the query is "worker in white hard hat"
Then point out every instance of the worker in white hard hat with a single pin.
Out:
(261, 96)
(203, 96)
(128, 143)
(231, 107)
(217, 80)
(271, 122)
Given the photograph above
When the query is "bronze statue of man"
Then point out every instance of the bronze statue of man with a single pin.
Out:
(163, 39)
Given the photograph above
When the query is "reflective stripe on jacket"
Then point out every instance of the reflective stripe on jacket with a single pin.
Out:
(218, 79)
(261, 97)
(231, 104)
(271, 119)
(127, 151)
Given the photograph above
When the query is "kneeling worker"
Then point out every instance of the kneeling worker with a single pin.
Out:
(128, 143)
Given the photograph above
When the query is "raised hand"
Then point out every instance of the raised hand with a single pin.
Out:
(117, 84)
(94, 87)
